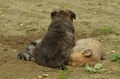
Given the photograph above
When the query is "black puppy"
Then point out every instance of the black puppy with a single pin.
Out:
(56, 46)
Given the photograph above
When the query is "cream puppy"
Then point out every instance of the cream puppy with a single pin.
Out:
(86, 51)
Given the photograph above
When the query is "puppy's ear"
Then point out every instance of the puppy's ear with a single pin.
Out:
(53, 14)
(87, 53)
(73, 15)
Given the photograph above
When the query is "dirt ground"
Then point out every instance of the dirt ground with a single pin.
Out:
(23, 21)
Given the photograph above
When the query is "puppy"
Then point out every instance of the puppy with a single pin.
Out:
(55, 48)
(86, 51)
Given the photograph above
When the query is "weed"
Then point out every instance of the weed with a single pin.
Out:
(112, 0)
(39, 5)
(115, 57)
(118, 2)
(63, 74)
(118, 42)
(64, 5)
(118, 68)
(99, 3)
(108, 30)
(97, 68)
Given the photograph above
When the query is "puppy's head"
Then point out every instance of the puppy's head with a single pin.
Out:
(63, 14)
(82, 57)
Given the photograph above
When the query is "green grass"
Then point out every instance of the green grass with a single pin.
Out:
(39, 5)
(97, 68)
(118, 42)
(108, 30)
(115, 57)
(99, 3)
(63, 74)
(64, 5)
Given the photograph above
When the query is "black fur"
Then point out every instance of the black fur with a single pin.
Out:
(56, 46)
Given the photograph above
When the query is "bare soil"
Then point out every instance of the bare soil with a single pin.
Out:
(23, 21)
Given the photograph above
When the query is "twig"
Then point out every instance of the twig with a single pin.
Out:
(3, 63)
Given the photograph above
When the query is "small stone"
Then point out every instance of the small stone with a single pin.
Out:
(15, 50)
(95, 12)
(113, 51)
(45, 75)
(40, 77)
(22, 24)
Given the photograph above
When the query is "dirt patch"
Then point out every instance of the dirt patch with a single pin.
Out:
(22, 22)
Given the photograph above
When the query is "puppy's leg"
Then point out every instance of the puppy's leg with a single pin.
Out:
(64, 58)
(27, 54)
(66, 54)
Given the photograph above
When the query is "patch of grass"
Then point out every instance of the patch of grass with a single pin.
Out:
(64, 5)
(112, 0)
(63, 74)
(39, 5)
(108, 30)
(118, 2)
(99, 3)
(118, 42)
(115, 57)
(118, 68)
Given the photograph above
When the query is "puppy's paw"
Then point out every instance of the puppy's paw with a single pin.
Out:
(21, 56)
(25, 57)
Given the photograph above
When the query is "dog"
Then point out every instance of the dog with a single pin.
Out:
(87, 50)
(56, 46)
